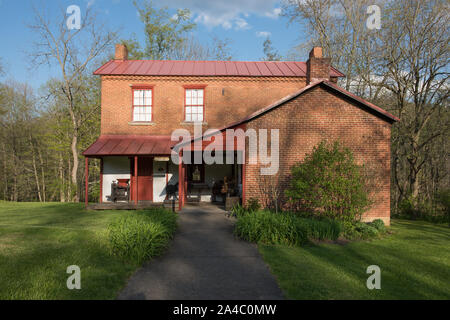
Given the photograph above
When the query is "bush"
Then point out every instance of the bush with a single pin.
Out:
(379, 225)
(359, 230)
(284, 228)
(140, 235)
(329, 183)
(253, 205)
(269, 228)
(366, 230)
(239, 210)
(321, 229)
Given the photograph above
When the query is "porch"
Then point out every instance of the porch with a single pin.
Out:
(150, 178)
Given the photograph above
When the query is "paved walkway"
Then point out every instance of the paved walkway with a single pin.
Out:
(204, 261)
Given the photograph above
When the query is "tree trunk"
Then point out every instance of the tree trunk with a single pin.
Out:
(74, 148)
(62, 196)
(35, 173)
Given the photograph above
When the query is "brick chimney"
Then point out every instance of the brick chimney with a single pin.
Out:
(317, 67)
(121, 52)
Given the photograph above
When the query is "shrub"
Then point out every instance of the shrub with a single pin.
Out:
(253, 205)
(366, 230)
(349, 231)
(269, 228)
(284, 228)
(237, 211)
(321, 229)
(329, 183)
(358, 230)
(140, 235)
(379, 225)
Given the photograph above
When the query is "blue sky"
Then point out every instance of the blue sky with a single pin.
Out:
(245, 22)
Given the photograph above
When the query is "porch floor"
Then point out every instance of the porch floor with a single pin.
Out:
(123, 205)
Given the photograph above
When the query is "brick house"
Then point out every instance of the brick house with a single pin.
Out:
(144, 101)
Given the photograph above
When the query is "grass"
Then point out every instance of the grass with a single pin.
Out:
(142, 235)
(39, 241)
(414, 263)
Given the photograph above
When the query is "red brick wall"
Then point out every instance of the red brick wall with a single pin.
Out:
(228, 99)
(322, 115)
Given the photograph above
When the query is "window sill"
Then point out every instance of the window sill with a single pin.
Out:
(141, 123)
(191, 123)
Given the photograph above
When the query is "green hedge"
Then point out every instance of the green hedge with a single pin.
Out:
(140, 235)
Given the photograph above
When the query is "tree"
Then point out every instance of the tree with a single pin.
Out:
(165, 34)
(339, 27)
(73, 51)
(271, 54)
(402, 67)
(134, 48)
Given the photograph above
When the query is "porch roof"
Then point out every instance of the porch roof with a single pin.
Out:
(130, 145)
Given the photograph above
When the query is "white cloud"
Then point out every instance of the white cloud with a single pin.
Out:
(241, 24)
(274, 14)
(225, 13)
(263, 34)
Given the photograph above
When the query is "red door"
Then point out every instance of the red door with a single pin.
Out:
(145, 179)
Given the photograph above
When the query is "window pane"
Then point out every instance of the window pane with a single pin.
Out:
(188, 93)
(194, 117)
(188, 117)
(200, 93)
(188, 110)
(200, 117)
(200, 100)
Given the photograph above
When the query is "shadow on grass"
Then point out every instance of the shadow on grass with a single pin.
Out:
(38, 270)
(410, 269)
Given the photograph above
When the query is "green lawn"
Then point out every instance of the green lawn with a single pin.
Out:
(414, 263)
(39, 241)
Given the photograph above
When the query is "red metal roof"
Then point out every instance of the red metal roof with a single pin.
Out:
(123, 145)
(208, 68)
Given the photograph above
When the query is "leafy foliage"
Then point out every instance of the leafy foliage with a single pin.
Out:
(379, 225)
(164, 33)
(284, 228)
(329, 183)
(269, 228)
(141, 235)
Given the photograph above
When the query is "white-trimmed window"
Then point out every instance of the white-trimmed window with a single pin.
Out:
(142, 105)
(194, 105)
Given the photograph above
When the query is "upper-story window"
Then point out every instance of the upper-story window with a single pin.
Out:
(194, 105)
(142, 105)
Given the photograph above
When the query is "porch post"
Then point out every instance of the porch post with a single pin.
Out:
(86, 181)
(101, 180)
(180, 180)
(243, 181)
(136, 180)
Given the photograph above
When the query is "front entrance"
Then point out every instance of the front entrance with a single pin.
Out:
(145, 179)
(159, 180)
